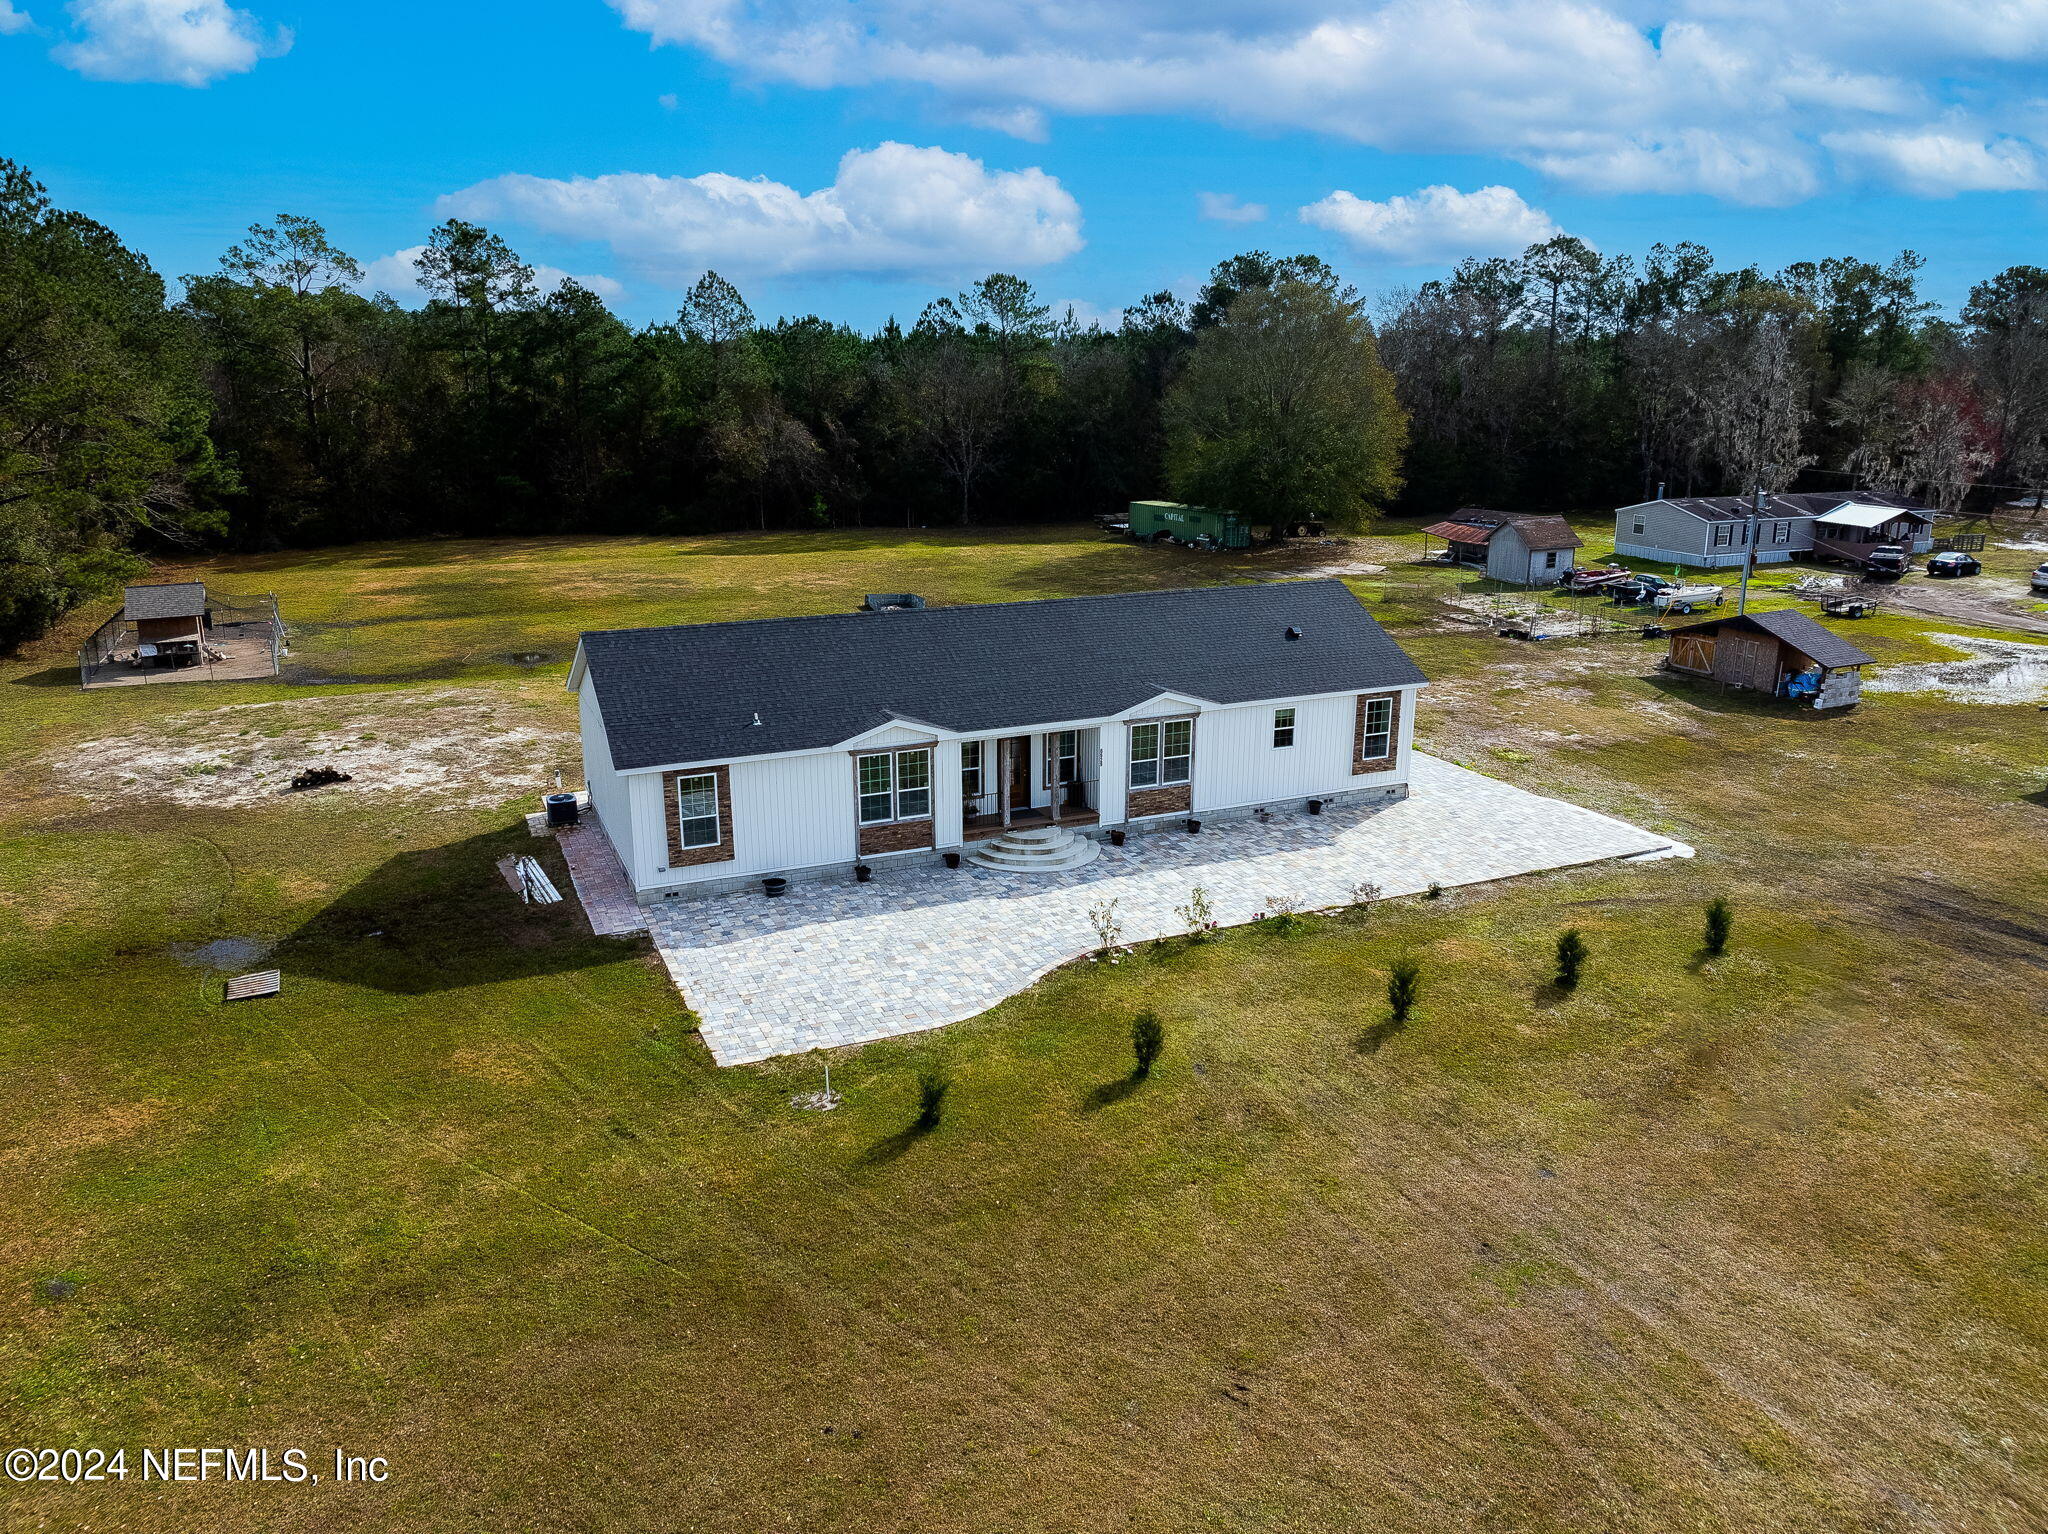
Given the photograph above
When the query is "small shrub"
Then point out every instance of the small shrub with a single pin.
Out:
(1571, 959)
(1720, 923)
(1404, 985)
(1109, 930)
(931, 1100)
(1283, 913)
(1148, 1037)
(1434, 892)
(1198, 915)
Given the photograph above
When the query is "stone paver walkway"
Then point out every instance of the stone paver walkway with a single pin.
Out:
(834, 964)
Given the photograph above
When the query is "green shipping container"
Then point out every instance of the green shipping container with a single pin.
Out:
(1152, 519)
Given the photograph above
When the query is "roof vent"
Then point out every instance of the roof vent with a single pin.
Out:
(757, 721)
(1293, 632)
(892, 602)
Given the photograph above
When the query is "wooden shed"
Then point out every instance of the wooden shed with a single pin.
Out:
(168, 615)
(1785, 654)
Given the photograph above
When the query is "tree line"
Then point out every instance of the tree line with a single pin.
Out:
(273, 403)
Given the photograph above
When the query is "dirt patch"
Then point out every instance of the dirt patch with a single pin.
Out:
(1997, 671)
(1987, 600)
(456, 747)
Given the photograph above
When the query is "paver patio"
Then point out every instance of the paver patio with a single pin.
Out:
(844, 963)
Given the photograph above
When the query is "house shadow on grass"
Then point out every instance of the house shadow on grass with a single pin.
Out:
(442, 918)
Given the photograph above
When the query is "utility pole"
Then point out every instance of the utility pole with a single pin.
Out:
(1756, 512)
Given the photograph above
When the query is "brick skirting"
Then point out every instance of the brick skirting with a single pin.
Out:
(1173, 799)
(895, 836)
(720, 851)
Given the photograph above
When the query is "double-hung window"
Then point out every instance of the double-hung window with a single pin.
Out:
(1637, 525)
(1376, 739)
(971, 769)
(895, 785)
(1063, 755)
(1724, 534)
(1283, 728)
(697, 810)
(1781, 532)
(1162, 753)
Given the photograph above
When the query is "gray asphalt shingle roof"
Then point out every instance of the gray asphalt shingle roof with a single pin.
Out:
(180, 599)
(1736, 508)
(691, 693)
(1795, 629)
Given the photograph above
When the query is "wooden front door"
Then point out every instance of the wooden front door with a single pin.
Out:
(1019, 749)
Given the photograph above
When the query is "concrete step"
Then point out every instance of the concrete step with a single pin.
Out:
(1041, 849)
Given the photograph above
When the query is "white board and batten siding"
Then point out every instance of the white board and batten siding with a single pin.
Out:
(788, 812)
(610, 794)
(1237, 764)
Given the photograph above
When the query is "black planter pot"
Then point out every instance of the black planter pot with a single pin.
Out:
(952, 859)
(1315, 806)
(1116, 838)
(775, 887)
(1194, 825)
(862, 873)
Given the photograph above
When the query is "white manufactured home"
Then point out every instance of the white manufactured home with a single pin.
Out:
(1712, 532)
(1011, 734)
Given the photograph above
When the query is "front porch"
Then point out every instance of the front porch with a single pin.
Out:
(980, 827)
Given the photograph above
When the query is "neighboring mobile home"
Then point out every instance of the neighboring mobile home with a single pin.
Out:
(1712, 532)
(1524, 551)
(1785, 654)
(721, 753)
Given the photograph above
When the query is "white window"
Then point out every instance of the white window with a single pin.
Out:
(1781, 532)
(1724, 534)
(970, 769)
(1638, 525)
(1162, 753)
(1283, 728)
(697, 809)
(1376, 740)
(895, 786)
(1063, 755)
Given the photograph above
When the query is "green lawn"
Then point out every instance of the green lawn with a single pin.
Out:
(1747, 1243)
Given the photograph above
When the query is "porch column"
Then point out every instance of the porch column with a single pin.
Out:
(1003, 790)
(1052, 772)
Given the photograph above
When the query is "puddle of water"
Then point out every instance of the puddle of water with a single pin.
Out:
(221, 953)
(1997, 671)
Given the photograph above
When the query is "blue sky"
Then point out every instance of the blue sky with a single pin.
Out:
(637, 142)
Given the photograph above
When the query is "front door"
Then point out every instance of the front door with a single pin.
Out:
(1019, 749)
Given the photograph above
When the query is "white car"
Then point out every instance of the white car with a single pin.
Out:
(2039, 579)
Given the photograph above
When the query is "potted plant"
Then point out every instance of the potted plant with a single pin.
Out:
(862, 873)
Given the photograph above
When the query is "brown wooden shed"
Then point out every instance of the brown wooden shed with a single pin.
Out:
(1785, 654)
(167, 613)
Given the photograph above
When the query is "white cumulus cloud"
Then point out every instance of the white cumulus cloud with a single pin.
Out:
(1223, 208)
(1738, 99)
(12, 20)
(895, 209)
(176, 42)
(1436, 224)
(1935, 163)
(398, 274)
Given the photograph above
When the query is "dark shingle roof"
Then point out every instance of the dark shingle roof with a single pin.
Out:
(1546, 533)
(691, 693)
(182, 599)
(1736, 508)
(1792, 628)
